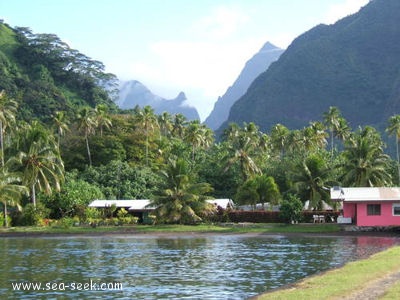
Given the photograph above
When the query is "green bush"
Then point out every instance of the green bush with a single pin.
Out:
(291, 209)
(92, 216)
(31, 215)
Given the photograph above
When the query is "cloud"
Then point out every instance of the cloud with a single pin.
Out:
(222, 22)
(348, 7)
(211, 66)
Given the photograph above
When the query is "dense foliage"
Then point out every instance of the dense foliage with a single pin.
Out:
(44, 75)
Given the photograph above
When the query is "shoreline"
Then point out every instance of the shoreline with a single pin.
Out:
(177, 234)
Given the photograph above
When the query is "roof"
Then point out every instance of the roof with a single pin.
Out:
(137, 204)
(308, 206)
(363, 194)
(141, 204)
(223, 203)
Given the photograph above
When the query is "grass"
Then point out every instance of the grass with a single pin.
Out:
(338, 283)
(203, 228)
(393, 293)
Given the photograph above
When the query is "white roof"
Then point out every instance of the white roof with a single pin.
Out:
(223, 203)
(366, 194)
(141, 204)
(259, 206)
(325, 206)
(119, 203)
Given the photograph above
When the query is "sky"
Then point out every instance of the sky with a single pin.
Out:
(195, 46)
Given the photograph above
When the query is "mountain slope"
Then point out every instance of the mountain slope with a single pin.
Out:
(134, 93)
(253, 67)
(43, 74)
(353, 64)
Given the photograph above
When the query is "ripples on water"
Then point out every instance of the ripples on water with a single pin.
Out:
(212, 267)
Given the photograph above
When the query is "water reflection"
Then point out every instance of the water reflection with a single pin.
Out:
(214, 267)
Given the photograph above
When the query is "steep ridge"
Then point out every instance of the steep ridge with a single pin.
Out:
(253, 67)
(353, 64)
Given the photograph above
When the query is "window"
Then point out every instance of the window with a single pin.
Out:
(374, 209)
(396, 209)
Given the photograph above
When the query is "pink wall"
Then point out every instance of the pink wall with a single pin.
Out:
(349, 210)
(385, 219)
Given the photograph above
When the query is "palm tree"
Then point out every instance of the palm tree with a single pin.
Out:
(198, 136)
(243, 144)
(102, 118)
(165, 123)
(10, 190)
(318, 135)
(394, 129)
(87, 124)
(148, 120)
(178, 126)
(42, 168)
(331, 119)
(267, 189)
(8, 109)
(310, 178)
(279, 138)
(60, 123)
(258, 189)
(365, 163)
(181, 200)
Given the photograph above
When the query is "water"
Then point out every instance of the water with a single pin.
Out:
(185, 267)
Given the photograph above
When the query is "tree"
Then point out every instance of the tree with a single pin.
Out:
(267, 190)
(74, 196)
(198, 136)
(8, 108)
(165, 123)
(181, 200)
(331, 119)
(258, 189)
(148, 120)
(42, 168)
(365, 164)
(10, 189)
(102, 118)
(279, 138)
(243, 144)
(291, 209)
(310, 177)
(87, 124)
(178, 125)
(394, 129)
(60, 123)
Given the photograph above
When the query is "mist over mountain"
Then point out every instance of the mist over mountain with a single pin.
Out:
(353, 64)
(253, 67)
(133, 93)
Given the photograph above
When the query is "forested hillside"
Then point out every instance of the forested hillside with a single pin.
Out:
(353, 65)
(43, 74)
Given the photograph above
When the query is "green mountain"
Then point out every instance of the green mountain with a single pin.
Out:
(353, 64)
(43, 74)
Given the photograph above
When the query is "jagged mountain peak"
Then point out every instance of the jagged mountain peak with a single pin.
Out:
(253, 67)
(133, 93)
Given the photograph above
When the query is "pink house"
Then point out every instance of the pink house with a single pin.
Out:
(369, 206)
